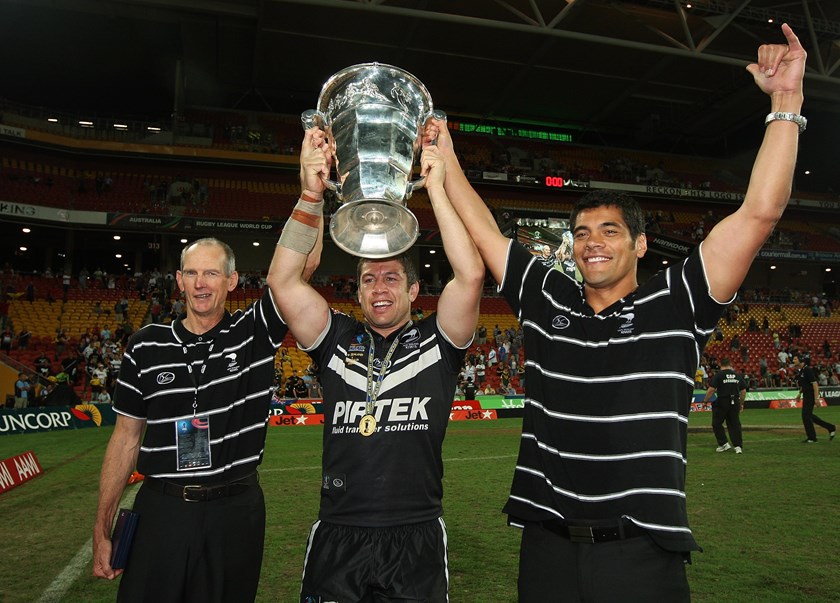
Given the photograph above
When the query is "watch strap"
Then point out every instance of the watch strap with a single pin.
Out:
(784, 116)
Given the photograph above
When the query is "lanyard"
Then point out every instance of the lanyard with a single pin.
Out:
(373, 388)
(196, 378)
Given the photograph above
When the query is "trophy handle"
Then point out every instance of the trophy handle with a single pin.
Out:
(415, 184)
(309, 119)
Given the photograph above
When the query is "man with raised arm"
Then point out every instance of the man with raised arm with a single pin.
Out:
(599, 486)
(388, 385)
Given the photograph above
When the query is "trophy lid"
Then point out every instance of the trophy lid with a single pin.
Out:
(375, 83)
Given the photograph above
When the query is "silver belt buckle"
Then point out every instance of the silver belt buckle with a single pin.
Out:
(581, 534)
(189, 488)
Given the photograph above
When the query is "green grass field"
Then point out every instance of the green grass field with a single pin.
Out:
(767, 519)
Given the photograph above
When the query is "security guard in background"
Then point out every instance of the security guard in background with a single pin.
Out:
(731, 389)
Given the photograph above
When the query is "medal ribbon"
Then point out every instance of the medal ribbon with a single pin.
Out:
(373, 389)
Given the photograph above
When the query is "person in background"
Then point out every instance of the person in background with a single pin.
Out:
(7, 337)
(22, 390)
(480, 371)
(469, 389)
(809, 393)
(70, 365)
(50, 384)
(43, 364)
(98, 393)
(63, 393)
(731, 390)
(599, 485)
(23, 338)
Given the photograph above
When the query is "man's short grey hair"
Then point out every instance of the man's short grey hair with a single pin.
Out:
(229, 263)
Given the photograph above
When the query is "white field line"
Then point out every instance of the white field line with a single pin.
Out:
(55, 592)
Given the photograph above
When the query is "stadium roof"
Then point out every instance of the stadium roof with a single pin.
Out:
(648, 74)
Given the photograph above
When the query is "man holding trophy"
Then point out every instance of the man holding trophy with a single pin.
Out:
(599, 485)
(388, 381)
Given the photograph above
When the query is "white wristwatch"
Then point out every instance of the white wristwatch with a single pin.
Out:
(795, 118)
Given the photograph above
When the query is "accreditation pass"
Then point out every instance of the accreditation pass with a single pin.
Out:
(192, 442)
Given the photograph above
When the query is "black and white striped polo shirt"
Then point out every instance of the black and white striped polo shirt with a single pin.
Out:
(231, 381)
(607, 396)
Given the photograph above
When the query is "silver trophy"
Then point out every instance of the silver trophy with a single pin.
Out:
(373, 116)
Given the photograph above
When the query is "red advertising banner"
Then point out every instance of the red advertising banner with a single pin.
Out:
(473, 415)
(774, 404)
(792, 403)
(294, 420)
(18, 469)
(466, 405)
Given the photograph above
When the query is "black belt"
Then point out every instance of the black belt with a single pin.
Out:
(593, 534)
(201, 492)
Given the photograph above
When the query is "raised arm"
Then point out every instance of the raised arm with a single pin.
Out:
(120, 460)
(474, 214)
(732, 245)
(301, 306)
(457, 311)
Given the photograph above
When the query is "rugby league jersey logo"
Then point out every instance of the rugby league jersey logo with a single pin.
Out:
(411, 339)
(164, 378)
(560, 322)
(232, 366)
(358, 344)
(377, 364)
(626, 327)
(333, 482)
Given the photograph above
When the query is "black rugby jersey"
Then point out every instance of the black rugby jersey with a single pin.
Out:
(394, 476)
(234, 367)
(607, 396)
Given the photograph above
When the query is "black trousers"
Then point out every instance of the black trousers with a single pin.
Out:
(728, 411)
(552, 569)
(201, 552)
(809, 418)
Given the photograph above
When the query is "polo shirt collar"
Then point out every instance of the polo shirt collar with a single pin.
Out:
(184, 335)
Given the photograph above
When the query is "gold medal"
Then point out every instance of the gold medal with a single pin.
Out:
(367, 426)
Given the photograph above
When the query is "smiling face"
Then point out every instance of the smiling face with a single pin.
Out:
(204, 283)
(385, 295)
(606, 253)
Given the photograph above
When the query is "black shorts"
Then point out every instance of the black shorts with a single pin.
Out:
(349, 564)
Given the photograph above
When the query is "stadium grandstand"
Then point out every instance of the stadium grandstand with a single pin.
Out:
(101, 183)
